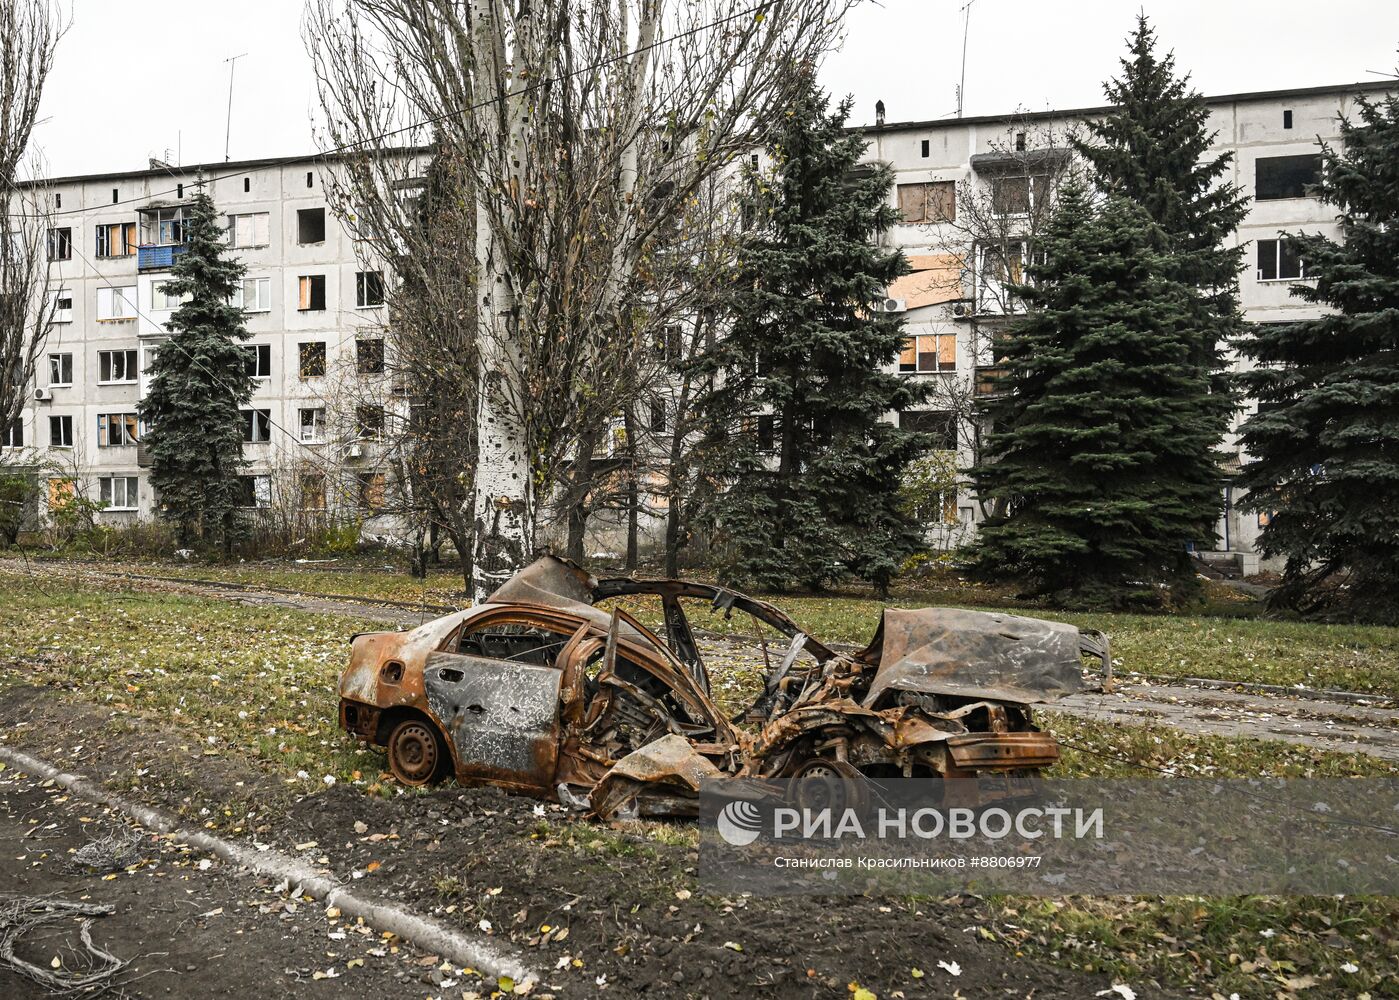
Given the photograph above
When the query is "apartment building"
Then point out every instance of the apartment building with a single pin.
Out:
(999, 168)
(315, 316)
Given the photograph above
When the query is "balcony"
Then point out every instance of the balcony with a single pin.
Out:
(158, 258)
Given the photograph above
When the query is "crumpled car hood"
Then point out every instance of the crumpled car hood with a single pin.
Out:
(975, 654)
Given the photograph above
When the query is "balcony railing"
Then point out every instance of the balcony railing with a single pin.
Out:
(158, 258)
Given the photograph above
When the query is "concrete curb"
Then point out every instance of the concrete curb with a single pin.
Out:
(474, 952)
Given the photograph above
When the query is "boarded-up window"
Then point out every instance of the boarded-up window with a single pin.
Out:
(311, 292)
(371, 490)
(931, 352)
(116, 240)
(61, 492)
(935, 201)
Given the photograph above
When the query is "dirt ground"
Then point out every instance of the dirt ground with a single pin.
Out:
(624, 911)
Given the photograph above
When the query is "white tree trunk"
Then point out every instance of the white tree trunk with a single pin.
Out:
(504, 499)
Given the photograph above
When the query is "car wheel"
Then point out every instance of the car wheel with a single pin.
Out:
(416, 754)
(830, 784)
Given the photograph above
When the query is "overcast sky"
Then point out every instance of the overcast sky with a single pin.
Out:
(141, 78)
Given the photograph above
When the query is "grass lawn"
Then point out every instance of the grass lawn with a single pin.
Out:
(1226, 645)
(259, 684)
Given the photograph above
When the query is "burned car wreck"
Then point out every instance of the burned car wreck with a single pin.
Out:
(541, 691)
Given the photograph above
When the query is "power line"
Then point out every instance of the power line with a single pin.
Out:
(434, 119)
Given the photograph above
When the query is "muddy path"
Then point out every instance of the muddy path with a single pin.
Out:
(600, 910)
(1344, 722)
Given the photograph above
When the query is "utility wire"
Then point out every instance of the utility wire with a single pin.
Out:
(431, 120)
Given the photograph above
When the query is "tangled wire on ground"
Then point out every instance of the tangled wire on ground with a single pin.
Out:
(109, 853)
(88, 968)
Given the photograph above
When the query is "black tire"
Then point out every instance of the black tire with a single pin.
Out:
(417, 753)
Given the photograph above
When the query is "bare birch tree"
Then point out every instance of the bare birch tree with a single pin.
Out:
(585, 126)
(30, 31)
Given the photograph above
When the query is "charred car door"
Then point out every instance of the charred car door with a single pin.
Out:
(502, 716)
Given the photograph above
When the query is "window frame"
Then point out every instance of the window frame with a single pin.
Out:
(262, 295)
(1277, 262)
(127, 426)
(61, 420)
(306, 292)
(1280, 172)
(130, 366)
(12, 434)
(307, 212)
(107, 492)
(57, 313)
(317, 424)
(266, 227)
(60, 243)
(255, 418)
(115, 294)
(363, 286)
(911, 347)
(55, 356)
(130, 235)
(371, 430)
(257, 354)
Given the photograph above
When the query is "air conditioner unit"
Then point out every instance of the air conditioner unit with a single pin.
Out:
(354, 451)
(42, 395)
(960, 309)
(894, 306)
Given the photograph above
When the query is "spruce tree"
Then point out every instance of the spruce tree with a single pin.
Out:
(1094, 459)
(199, 380)
(1153, 147)
(810, 349)
(1324, 444)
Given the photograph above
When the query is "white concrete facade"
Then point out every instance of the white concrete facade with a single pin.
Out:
(85, 383)
(942, 297)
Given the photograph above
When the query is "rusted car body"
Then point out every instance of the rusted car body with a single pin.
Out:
(539, 690)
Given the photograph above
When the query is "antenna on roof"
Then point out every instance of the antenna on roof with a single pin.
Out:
(966, 27)
(228, 125)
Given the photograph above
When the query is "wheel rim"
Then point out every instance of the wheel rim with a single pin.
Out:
(829, 784)
(413, 754)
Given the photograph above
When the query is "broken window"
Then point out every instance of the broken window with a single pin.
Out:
(120, 492)
(255, 491)
(61, 369)
(929, 352)
(369, 422)
(116, 366)
(312, 358)
(1018, 195)
(514, 641)
(312, 420)
(312, 491)
(117, 239)
(369, 355)
(13, 435)
(117, 430)
(253, 295)
(371, 490)
(163, 227)
(1278, 261)
(116, 304)
(939, 424)
(369, 289)
(62, 306)
(248, 230)
(257, 425)
(1277, 177)
(934, 201)
(310, 225)
(259, 360)
(60, 431)
(61, 243)
(311, 293)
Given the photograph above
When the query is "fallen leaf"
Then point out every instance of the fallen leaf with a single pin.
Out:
(733, 946)
(916, 973)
